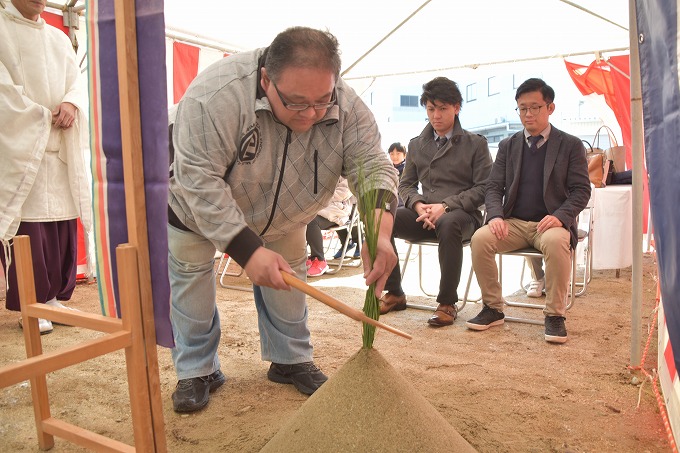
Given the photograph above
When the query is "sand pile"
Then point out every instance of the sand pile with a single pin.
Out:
(367, 406)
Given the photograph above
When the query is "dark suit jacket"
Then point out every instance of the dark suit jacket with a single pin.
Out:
(454, 174)
(566, 187)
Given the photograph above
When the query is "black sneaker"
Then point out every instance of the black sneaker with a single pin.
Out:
(486, 318)
(192, 394)
(555, 330)
(306, 377)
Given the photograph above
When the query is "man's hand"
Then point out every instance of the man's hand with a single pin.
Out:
(385, 259)
(264, 269)
(64, 115)
(547, 222)
(499, 228)
(428, 214)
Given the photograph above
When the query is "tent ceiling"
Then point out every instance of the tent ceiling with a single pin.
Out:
(443, 34)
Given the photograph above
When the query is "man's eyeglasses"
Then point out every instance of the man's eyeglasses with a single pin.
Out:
(301, 107)
(521, 111)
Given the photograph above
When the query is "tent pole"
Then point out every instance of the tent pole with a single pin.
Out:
(385, 37)
(637, 150)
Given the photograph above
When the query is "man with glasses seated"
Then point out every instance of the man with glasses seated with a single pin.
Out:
(538, 185)
(260, 140)
(451, 165)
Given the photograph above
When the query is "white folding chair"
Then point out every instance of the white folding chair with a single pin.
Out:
(433, 243)
(531, 252)
(222, 271)
(584, 250)
(334, 266)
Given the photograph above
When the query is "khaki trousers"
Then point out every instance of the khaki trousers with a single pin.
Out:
(553, 243)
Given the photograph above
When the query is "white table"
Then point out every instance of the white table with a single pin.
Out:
(612, 227)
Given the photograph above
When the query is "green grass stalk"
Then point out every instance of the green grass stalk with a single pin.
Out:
(367, 205)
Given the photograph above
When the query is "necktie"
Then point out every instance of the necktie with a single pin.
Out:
(533, 142)
(441, 141)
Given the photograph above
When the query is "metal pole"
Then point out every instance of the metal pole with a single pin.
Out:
(638, 164)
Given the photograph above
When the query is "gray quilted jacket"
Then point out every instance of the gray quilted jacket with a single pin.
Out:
(239, 173)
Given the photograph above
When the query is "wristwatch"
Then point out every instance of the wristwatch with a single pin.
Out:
(446, 207)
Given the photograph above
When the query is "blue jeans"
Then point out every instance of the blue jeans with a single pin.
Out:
(282, 315)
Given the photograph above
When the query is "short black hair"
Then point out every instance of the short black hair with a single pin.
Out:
(303, 47)
(443, 90)
(397, 146)
(535, 84)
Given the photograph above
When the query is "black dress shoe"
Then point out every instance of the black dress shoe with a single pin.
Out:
(192, 394)
(306, 377)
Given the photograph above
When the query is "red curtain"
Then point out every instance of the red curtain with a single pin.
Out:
(55, 20)
(184, 68)
(611, 78)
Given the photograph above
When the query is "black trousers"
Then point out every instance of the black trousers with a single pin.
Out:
(315, 237)
(450, 231)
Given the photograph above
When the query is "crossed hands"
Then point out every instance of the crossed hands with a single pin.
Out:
(428, 214)
(64, 115)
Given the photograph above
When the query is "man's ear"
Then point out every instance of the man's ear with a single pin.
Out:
(551, 108)
(264, 80)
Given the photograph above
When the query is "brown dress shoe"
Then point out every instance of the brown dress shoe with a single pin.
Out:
(443, 316)
(390, 302)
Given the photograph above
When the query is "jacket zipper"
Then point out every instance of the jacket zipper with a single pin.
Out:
(278, 185)
(316, 171)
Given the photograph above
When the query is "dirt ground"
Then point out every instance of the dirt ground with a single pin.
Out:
(504, 390)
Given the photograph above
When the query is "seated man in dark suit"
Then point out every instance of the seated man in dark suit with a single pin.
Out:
(538, 185)
(451, 165)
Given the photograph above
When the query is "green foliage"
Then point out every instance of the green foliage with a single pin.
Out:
(368, 200)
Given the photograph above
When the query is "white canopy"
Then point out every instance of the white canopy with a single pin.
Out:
(416, 35)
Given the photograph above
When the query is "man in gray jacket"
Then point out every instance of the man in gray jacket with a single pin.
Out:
(451, 165)
(260, 140)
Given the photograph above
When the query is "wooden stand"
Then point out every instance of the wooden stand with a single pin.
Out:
(125, 333)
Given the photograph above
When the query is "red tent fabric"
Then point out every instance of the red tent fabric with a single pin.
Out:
(55, 20)
(611, 78)
(184, 68)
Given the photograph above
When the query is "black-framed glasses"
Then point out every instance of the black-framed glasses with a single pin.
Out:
(301, 107)
(521, 111)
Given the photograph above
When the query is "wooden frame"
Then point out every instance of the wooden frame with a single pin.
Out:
(120, 334)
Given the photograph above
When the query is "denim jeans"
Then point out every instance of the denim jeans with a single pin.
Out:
(282, 315)
(194, 315)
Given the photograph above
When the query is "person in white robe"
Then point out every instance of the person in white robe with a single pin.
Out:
(43, 181)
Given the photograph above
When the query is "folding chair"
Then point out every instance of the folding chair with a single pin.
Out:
(433, 243)
(222, 271)
(334, 266)
(585, 238)
(531, 252)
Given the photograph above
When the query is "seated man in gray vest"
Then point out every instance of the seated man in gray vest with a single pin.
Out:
(538, 185)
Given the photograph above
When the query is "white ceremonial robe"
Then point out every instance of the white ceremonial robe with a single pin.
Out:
(43, 176)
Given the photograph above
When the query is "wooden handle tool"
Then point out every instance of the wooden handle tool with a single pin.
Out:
(334, 303)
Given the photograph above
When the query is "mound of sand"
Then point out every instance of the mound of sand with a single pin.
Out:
(367, 406)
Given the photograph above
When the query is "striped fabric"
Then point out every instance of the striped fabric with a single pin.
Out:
(110, 222)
